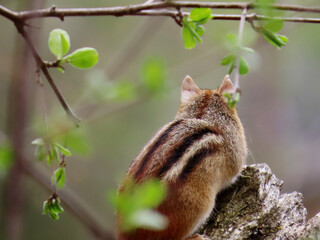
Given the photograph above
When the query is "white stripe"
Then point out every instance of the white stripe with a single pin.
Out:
(205, 142)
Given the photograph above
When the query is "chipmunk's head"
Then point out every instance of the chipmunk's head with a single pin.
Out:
(205, 103)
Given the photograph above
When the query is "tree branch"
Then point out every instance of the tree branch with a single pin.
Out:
(42, 65)
(72, 202)
(230, 17)
(237, 67)
(143, 9)
(7, 13)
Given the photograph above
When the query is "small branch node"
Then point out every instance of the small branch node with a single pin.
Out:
(53, 9)
(19, 25)
(180, 13)
(251, 19)
(178, 17)
(52, 64)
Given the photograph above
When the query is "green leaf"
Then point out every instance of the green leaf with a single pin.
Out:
(57, 205)
(153, 74)
(38, 141)
(134, 203)
(192, 28)
(190, 35)
(274, 38)
(274, 25)
(232, 39)
(250, 50)
(200, 15)
(150, 194)
(231, 42)
(59, 42)
(232, 65)
(60, 69)
(63, 150)
(45, 207)
(40, 152)
(6, 158)
(54, 215)
(199, 30)
(52, 207)
(60, 176)
(228, 59)
(149, 219)
(83, 58)
(188, 39)
(53, 154)
(124, 203)
(243, 66)
(283, 38)
(232, 99)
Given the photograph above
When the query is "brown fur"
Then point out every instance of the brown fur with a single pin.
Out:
(198, 154)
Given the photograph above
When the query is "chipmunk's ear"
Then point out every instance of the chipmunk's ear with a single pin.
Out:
(189, 90)
(226, 86)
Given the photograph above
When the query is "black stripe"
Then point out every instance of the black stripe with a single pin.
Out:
(194, 161)
(154, 147)
(182, 148)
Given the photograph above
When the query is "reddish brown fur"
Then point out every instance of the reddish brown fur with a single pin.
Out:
(204, 103)
(214, 153)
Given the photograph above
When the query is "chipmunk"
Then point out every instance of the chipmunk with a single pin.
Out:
(199, 153)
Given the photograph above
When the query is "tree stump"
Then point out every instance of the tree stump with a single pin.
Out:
(254, 208)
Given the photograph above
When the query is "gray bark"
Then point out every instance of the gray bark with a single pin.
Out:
(254, 208)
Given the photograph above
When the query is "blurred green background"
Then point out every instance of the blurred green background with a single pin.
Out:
(279, 106)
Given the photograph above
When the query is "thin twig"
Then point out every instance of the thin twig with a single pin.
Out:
(229, 17)
(72, 202)
(41, 65)
(237, 67)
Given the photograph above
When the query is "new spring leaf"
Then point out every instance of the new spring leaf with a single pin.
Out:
(200, 15)
(83, 58)
(228, 59)
(135, 205)
(59, 42)
(52, 207)
(63, 150)
(60, 177)
(243, 66)
(274, 25)
(275, 39)
(192, 30)
(188, 39)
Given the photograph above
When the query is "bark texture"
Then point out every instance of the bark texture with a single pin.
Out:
(254, 208)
